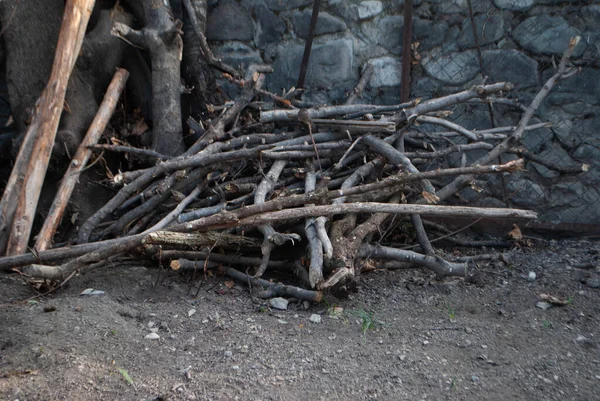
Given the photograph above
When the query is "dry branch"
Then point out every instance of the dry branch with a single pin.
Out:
(79, 161)
(273, 289)
(22, 191)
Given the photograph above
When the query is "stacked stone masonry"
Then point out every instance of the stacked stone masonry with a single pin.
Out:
(520, 41)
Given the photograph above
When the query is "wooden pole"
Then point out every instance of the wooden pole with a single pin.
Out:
(80, 159)
(42, 131)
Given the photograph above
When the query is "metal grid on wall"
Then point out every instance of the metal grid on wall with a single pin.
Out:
(561, 180)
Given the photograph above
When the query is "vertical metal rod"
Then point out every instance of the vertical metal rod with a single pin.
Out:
(406, 51)
(308, 45)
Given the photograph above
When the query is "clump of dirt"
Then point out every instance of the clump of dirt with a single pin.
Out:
(404, 335)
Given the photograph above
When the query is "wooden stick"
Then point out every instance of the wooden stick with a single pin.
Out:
(42, 131)
(362, 84)
(376, 207)
(275, 289)
(201, 239)
(54, 255)
(80, 159)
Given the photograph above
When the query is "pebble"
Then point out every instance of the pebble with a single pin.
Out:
(531, 276)
(281, 321)
(152, 336)
(91, 291)
(425, 342)
(543, 305)
(151, 324)
(593, 283)
(475, 379)
(191, 312)
(154, 330)
(315, 318)
(279, 303)
(228, 354)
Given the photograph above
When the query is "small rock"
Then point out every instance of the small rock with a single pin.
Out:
(469, 330)
(279, 303)
(585, 342)
(152, 336)
(151, 324)
(475, 379)
(235, 367)
(543, 305)
(484, 346)
(593, 283)
(281, 321)
(425, 342)
(402, 357)
(191, 312)
(49, 308)
(154, 330)
(315, 318)
(228, 354)
(368, 9)
(91, 291)
(531, 276)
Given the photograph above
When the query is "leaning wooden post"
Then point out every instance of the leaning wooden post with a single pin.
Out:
(80, 159)
(33, 158)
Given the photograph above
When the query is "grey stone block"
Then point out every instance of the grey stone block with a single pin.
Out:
(591, 17)
(279, 5)
(514, 5)
(369, 9)
(588, 154)
(238, 55)
(386, 71)
(544, 34)
(490, 28)
(526, 193)
(460, 6)
(536, 139)
(389, 33)
(451, 69)
(229, 21)
(429, 33)
(326, 23)
(331, 63)
(511, 66)
(542, 170)
(270, 28)
(585, 82)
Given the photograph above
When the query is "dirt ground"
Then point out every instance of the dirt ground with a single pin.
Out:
(403, 336)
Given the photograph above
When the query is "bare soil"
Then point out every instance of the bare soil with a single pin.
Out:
(403, 336)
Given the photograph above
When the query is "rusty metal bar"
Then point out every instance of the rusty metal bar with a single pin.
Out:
(308, 45)
(406, 51)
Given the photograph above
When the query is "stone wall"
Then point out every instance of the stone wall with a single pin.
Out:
(520, 40)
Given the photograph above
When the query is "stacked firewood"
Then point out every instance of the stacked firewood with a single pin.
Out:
(272, 183)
